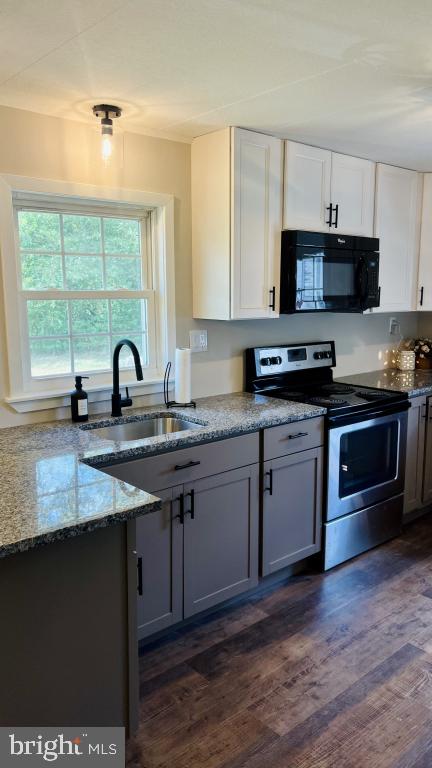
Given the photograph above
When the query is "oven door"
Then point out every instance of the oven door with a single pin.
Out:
(328, 280)
(366, 461)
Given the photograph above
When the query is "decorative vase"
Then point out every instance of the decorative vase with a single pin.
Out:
(406, 360)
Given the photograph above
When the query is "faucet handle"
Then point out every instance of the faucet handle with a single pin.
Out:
(127, 392)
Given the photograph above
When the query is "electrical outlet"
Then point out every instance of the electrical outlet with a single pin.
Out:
(198, 341)
(394, 327)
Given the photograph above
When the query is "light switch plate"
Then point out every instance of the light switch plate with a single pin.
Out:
(198, 341)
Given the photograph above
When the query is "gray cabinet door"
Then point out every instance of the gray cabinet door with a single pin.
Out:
(415, 455)
(292, 509)
(427, 474)
(159, 544)
(220, 538)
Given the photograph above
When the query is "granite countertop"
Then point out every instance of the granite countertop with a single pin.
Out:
(50, 487)
(418, 382)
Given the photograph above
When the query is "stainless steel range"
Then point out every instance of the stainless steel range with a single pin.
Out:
(365, 443)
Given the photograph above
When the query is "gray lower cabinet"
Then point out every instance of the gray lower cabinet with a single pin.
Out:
(415, 457)
(201, 548)
(220, 538)
(159, 543)
(427, 471)
(292, 509)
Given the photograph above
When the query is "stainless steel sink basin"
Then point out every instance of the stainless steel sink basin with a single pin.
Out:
(151, 427)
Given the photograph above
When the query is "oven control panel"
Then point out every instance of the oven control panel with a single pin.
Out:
(270, 361)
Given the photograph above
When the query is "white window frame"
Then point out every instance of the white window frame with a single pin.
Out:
(27, 393)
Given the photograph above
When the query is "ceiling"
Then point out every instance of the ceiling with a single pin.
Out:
(350, 75)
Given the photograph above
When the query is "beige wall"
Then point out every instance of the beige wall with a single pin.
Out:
(46, 147)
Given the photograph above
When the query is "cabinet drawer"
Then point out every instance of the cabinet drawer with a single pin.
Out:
(153, 473)
(290, 438)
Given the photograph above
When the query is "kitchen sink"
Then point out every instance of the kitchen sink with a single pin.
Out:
(148, 427)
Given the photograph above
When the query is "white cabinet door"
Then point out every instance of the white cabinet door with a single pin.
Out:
(424, 295)
(256, 217)
(352, 191)
(397, 224)
(307, 187)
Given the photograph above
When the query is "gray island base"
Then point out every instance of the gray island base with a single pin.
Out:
(69, 626)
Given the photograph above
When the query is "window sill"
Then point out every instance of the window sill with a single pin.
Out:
(51, 399)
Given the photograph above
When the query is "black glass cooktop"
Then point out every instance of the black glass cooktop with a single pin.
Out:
(337, 396)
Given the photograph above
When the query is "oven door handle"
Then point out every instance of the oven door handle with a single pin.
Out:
(344, 421)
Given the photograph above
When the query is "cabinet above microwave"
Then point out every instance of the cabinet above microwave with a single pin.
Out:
(327, 192)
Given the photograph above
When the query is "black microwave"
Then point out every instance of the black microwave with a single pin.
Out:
(323, 272)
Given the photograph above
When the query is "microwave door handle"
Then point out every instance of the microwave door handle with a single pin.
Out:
(363, 282)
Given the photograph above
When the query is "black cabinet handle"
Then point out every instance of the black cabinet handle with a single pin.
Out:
(140, 576)
(270, 486)
(187, 465)
(192, 504)
(335, 223)
(272, 292)
(329, 221)
(181, 513)
(298, 434)
(421, 295)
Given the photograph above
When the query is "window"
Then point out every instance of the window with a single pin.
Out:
(84, 267)
(72, 268)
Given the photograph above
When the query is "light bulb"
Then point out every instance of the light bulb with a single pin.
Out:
(107, 147)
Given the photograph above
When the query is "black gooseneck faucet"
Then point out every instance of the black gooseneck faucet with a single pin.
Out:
(118, 402)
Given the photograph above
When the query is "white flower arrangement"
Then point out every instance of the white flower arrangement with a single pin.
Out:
(423, 347)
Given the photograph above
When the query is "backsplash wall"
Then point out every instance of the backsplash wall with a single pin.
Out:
(363, 343)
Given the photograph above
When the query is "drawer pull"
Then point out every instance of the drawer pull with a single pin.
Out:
(187, 465)
(298, 434)
(140, 576)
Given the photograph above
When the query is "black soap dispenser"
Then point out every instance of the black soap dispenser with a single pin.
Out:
(79, 401)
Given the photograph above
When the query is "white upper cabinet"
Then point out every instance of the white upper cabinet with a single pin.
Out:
(306, 187)
(424, 294)
(397, 224)
(328, 192)
(352, 194)
(236, 224)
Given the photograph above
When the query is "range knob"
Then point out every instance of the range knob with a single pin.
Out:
(276, 360)
(328, 354)
(318, 355)
(265, 361)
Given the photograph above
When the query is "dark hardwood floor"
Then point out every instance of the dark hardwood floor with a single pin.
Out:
(325, 671)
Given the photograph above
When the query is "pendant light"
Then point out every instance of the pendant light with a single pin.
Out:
(106, 113)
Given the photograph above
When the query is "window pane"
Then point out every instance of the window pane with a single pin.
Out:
(89, 316)
(84, 273)
(82, 234)
(127, 315)
(50, 357)
(91, 353)
(122, 236)
(39, 231)
(47, 318)
(123, 272)
(126, 357)
(41, 271)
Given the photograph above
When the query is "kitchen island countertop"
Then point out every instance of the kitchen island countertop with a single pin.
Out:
(50, 487)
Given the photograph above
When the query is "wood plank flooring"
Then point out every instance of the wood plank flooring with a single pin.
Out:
(325, 671)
